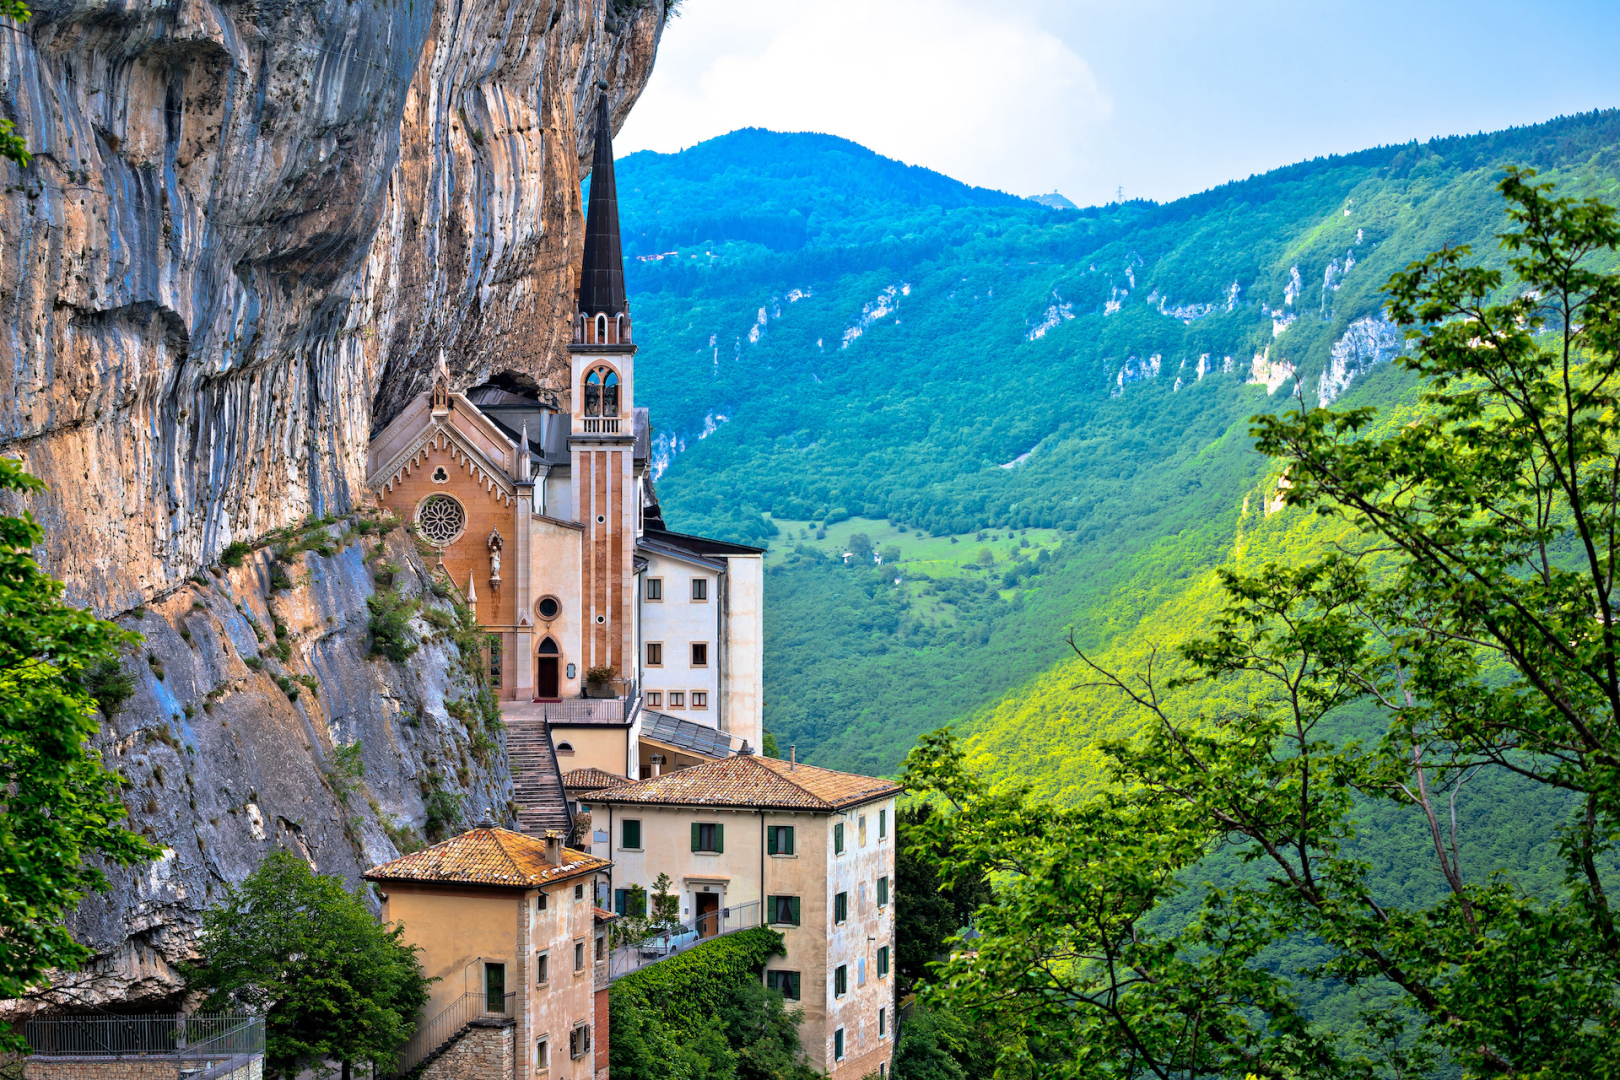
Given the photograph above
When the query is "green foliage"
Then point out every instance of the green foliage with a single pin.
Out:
(108, 684)
(443, 813)
(59, 807)
(235, 554)
(913, 421)
(1446, 643)
(392, 637)
(938, 1044)
(345, 768)
(927, 911)
(647, 917)
(333, 984)
(706, 1014)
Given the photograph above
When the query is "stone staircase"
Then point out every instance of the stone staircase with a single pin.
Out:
(536, 783)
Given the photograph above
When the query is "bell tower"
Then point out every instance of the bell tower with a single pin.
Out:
(602, 434)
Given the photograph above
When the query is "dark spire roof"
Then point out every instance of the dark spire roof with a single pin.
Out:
(601, 278)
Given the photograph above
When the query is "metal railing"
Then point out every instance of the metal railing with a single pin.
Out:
(613, 710)
(433, 1034)
(727, 920)
(199, 1045)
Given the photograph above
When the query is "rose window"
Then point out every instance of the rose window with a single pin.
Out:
(440, 519)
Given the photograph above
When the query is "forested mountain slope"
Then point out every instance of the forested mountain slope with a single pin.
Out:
(830, 335)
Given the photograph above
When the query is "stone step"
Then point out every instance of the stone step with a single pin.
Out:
(536, 783)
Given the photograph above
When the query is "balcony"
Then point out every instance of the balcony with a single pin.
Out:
(203, 1047)
(601, 425)
(622, 708)
(634, 956)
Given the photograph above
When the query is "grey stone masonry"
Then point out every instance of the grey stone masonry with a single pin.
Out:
(484, 1052)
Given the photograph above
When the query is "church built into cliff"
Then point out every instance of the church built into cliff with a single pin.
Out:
(638, 647)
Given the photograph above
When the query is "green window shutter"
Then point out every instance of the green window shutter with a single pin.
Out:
(883, 961)
(793, 978)
(838, 838)
(795, 905)
(770, 841)
(883, 891)
(787, 834)
(694, 836)
(720, 838)
(770, 910)
(632, 834)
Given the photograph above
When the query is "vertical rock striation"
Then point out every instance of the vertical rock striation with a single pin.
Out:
(248, 232)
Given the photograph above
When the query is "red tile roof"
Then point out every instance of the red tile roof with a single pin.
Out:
(590, 779)
(748, 780)
(487, 857)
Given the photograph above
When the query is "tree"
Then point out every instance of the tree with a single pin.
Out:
(891, 553)
(927, 913)
(332, 982)
(59, 804)
(12, 146)
(861, 546)
(1473, 604)
(937, 1044)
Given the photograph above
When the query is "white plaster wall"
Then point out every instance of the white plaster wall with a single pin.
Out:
(856, 872)
(677, 621)
(745, 648)
(555, 571)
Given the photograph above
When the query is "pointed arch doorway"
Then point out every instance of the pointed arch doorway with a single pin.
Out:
(547, 683)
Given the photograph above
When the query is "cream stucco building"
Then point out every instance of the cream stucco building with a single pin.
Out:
(507, 925)
(811, 852)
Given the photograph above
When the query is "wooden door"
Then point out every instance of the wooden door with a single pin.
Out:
(708, 914)
(546, 682)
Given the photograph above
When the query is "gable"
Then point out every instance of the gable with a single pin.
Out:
(435, 434)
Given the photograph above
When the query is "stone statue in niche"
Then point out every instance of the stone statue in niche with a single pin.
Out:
(495, 545)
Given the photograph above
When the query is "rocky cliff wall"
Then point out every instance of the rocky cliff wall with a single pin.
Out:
(248, 232)
(260, 721)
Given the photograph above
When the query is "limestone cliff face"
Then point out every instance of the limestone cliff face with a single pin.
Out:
(222, 763)
(249, 230)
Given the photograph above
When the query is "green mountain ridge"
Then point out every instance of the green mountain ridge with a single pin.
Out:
(831, 335)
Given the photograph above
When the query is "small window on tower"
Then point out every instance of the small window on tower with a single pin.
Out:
(593, 393)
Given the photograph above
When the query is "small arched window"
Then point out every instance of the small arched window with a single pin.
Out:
(548, 648)
(565, 748)
(601, 329)
(602, 392)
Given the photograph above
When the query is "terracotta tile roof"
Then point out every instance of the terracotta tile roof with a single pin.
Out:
(747, 780)
(603, 914)
(590, 779)
(487, 857)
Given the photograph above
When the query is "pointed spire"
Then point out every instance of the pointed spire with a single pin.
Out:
(601, 279)
(523, 453)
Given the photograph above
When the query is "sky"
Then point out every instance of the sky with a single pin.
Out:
(1141, 98)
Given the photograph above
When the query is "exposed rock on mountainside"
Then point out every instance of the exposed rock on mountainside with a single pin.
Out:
(250, 229)
(259, 722)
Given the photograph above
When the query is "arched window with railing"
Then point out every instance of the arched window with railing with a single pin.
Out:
(601, 399)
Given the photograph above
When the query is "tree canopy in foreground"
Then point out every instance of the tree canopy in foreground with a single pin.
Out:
(1475, 607)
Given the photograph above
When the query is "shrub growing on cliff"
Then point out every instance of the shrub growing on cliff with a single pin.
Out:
(332, 982)
(391, 634)
(57, 802)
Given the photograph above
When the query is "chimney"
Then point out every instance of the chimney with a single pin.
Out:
(554, 847)
(793, 758)
(657, 764)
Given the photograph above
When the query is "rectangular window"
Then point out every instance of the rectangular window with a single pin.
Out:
(655, 699)
(542, 1055)
(677, 699)
(883, 961)
(579, 1042)
(841, 980)
(655, 588)
(785, 983)
(841, 907)
(630, 837)
(700, 588)
(542, 968)
(495, 988)
(601, 949)
(883, 1022)
(883, 891)
(579, 955)
(860, 972)
(621, 901)
(838, 1042)
(700, 654)
(779, 840)
(700, 699)
(707, 837)
(861, 829)
(540, 902)
(838, 838)
(883, 824)
(783, 910)
(579, 891)
(495, 661)
(655, 654)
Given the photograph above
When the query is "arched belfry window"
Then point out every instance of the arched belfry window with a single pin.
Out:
(602, 392)
(601, 329)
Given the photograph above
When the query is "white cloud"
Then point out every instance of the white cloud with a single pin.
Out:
(979, 94)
